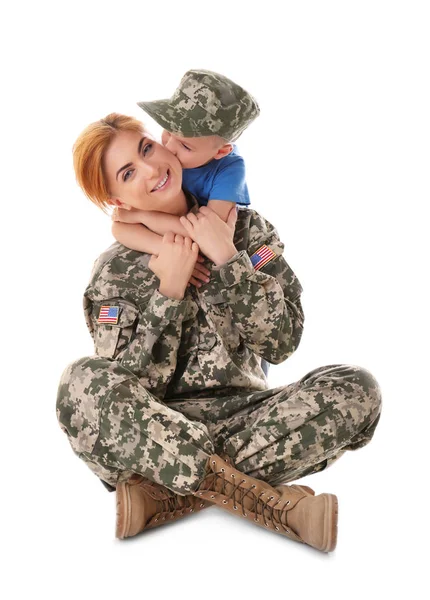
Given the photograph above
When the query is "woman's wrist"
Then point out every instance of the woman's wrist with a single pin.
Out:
(225, 255)
(171, 291)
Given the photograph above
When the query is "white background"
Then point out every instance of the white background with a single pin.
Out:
(339, 161)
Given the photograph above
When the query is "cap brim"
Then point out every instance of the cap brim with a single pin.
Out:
(174, 119)
(157, 111)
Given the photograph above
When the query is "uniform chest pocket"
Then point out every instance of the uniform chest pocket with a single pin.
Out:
(110, 338)
(220, 316)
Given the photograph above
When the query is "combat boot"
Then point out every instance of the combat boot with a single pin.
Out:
(291, 510)
(142, 504)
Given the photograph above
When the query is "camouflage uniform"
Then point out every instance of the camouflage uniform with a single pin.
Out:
(176, 380)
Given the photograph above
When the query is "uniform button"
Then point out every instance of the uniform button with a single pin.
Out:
(207, 341)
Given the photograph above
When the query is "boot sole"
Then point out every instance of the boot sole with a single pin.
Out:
(330, 522)
(123, 510)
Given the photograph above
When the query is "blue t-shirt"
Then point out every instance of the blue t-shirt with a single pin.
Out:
(222, 179)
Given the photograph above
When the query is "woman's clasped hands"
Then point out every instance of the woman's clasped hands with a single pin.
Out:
(174, 264)
(212, 234)
(177, 263)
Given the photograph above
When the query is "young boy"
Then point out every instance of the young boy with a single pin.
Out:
(202, 119)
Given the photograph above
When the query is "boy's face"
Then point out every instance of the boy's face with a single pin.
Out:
(195, 151)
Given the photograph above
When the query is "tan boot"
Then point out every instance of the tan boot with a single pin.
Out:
(301, 488)
(142, 504)
(292, 511)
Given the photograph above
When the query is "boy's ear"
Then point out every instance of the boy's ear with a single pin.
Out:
(223, 151)
(119, 203)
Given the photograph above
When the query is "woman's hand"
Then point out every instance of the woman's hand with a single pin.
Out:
(214, 237)
(174, 264)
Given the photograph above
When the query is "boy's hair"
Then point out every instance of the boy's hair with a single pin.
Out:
(89, 150)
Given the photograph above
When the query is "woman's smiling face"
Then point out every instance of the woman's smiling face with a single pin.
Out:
(143, 174)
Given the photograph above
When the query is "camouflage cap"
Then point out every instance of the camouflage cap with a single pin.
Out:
(205, 103)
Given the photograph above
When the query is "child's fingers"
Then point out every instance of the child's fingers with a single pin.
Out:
(195, 282)
(199, 276)
(202, 269)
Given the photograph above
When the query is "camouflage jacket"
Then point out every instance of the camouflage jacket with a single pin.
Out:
(209, 343)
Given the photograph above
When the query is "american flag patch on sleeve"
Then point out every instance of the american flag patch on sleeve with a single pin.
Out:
(262, 257)
(108, 314)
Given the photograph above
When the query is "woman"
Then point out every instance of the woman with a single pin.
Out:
(174, 409)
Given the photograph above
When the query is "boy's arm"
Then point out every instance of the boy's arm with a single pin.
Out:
(162, 223)
(221, 207)
(228, 187)
(137, 237)
(157, 222)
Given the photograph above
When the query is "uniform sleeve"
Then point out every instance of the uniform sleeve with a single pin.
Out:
(264, 303)
(146, 337)
(229, 181)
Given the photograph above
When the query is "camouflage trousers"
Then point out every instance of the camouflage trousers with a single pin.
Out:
(118, 428)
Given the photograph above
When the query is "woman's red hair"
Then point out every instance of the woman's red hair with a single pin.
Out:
(88, 153)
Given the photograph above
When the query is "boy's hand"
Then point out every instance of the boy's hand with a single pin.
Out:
(126, 216)
(214, 237)
(200, 274)
(174, 264)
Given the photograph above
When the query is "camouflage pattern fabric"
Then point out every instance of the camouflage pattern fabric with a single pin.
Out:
(118, 428)
(176, 380)
(205, 103)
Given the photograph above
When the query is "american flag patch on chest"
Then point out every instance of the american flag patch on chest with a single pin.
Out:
(108, 314)
(262, 257)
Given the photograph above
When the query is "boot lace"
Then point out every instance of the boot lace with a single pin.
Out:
(260, 508)
(169, 502)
